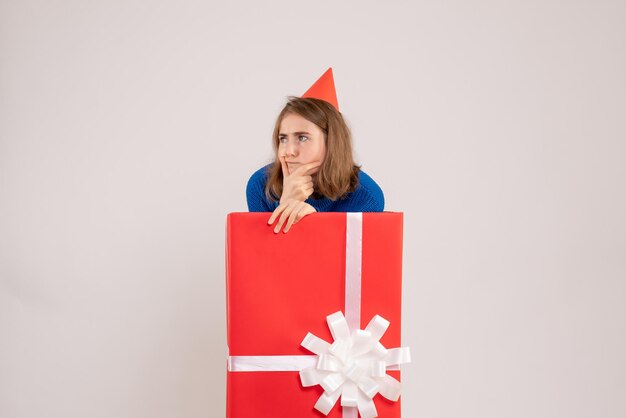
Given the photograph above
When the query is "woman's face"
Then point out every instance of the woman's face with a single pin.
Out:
(300, 141)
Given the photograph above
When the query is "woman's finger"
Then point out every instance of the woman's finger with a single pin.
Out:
(306, 210)
(312, 165)
(277, 212)
(301, 214)
(293, 217)
(284, 215)
(306, 167)
(284, 166)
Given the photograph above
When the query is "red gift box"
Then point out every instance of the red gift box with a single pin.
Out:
(282, 286)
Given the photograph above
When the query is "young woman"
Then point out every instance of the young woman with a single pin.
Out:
(313, 169)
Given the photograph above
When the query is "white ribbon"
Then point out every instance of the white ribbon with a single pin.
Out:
(354, 244)
(354, 366)
(270, 363)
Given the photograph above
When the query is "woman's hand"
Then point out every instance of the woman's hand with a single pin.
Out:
(292, 211)
(297, 185)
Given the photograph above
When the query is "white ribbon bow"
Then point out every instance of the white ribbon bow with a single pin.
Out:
(354, 367)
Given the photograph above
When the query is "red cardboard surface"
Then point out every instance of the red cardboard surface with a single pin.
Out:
(282, 286)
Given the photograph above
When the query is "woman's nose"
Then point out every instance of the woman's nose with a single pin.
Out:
(292, 149)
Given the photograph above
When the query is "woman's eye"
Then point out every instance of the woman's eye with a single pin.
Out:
(301, 138)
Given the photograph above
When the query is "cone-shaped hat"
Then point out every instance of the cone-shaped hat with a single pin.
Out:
(324, 89)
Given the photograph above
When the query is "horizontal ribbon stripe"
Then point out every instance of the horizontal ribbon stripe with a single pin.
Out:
(270, 363)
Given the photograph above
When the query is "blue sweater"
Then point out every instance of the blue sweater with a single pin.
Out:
(367, 197)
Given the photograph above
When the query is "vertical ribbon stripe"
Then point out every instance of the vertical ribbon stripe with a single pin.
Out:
(354, 242)
(354, 245)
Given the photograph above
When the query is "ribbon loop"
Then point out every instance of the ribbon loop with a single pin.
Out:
(349, 394)
(377, 327)
(311, 377)
(362, 342)
(326, 402)
(354, 367)
(367, 408)
(400, 355)
(315, 344)
(328, 363)
(338, 326)
(390, 388)
(378, 368)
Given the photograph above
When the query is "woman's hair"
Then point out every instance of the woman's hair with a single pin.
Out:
(338, 174)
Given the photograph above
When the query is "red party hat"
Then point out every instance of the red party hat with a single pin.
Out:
(324, 89)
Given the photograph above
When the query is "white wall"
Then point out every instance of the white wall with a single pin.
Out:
(128, 130)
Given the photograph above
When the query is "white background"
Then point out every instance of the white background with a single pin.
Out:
(128, 130)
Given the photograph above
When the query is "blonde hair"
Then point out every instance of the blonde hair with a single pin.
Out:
(338, 175)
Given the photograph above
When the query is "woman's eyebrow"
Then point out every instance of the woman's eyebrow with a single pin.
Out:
(295, 133)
